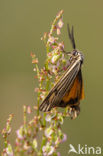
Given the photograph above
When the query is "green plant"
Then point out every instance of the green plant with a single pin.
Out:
(42, 135)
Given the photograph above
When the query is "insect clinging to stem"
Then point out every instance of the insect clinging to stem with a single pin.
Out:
(69, 90)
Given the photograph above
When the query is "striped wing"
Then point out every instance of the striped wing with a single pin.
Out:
(75, 93)
(56, 94)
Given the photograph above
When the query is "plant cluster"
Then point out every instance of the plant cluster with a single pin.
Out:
(42, 135)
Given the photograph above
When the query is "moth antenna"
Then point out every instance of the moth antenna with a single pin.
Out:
(71, 36)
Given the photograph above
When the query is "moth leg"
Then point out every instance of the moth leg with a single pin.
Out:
(74, 111)
(67, 52)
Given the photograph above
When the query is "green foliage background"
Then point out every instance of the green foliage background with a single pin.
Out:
(22, 24)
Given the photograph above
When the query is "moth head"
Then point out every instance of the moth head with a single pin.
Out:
(74, 53)
(77, 54)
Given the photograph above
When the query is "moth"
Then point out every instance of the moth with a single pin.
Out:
(69, 89)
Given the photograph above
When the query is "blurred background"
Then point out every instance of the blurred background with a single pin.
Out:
(22, 24)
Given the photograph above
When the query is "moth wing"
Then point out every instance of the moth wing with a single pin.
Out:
(81, 85)
(56, 94)
(76, 92)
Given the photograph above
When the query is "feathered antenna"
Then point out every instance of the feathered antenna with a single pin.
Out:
(71, 36)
